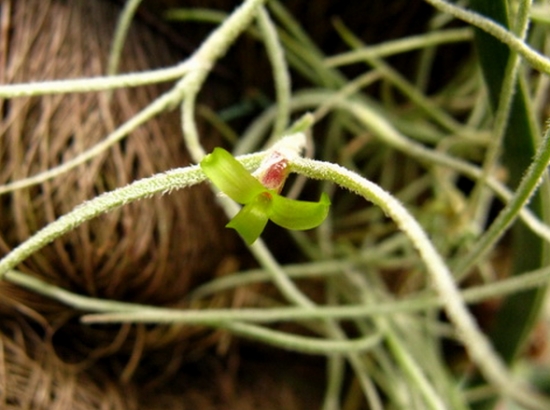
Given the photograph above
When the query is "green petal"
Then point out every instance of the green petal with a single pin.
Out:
(252, 218)
(230, 176)
(299, 215)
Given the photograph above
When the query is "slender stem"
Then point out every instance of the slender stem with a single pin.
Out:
(210, 51)
(196, 14)
(536, 59)
(401, 45)
(281, 75)
(411, 367)
(335, 380)
(189, 126)
(335, 363)
(303, 344)
(122, 28)
(86, 85)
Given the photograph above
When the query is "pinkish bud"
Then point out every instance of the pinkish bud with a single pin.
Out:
(273, 171)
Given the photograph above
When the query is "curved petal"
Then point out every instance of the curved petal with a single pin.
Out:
(298, 215)
(252, 218)
(230, 176)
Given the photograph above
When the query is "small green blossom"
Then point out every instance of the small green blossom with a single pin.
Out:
(260, 203)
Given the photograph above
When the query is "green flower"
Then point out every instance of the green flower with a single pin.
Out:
(260, 203)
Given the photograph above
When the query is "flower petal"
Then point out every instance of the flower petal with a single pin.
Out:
(230, 176)
(252, 218)
(298, 215)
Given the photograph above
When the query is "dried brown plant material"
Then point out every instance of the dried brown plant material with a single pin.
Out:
(152, 251)
(31, 377)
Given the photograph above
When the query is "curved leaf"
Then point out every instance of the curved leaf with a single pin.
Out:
(299, 215)
(230, 177)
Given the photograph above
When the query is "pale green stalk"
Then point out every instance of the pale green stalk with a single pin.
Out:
(543, 87)
(335, 363)
(302, 344)
(219, 42)
(122, 28)
(335, 366)
(91, 84)
(293, 26)
(335, 382)
(410, 367)
(281, 75)
(189, 126)
(402, 45)
(196, 14)
(536, 59)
